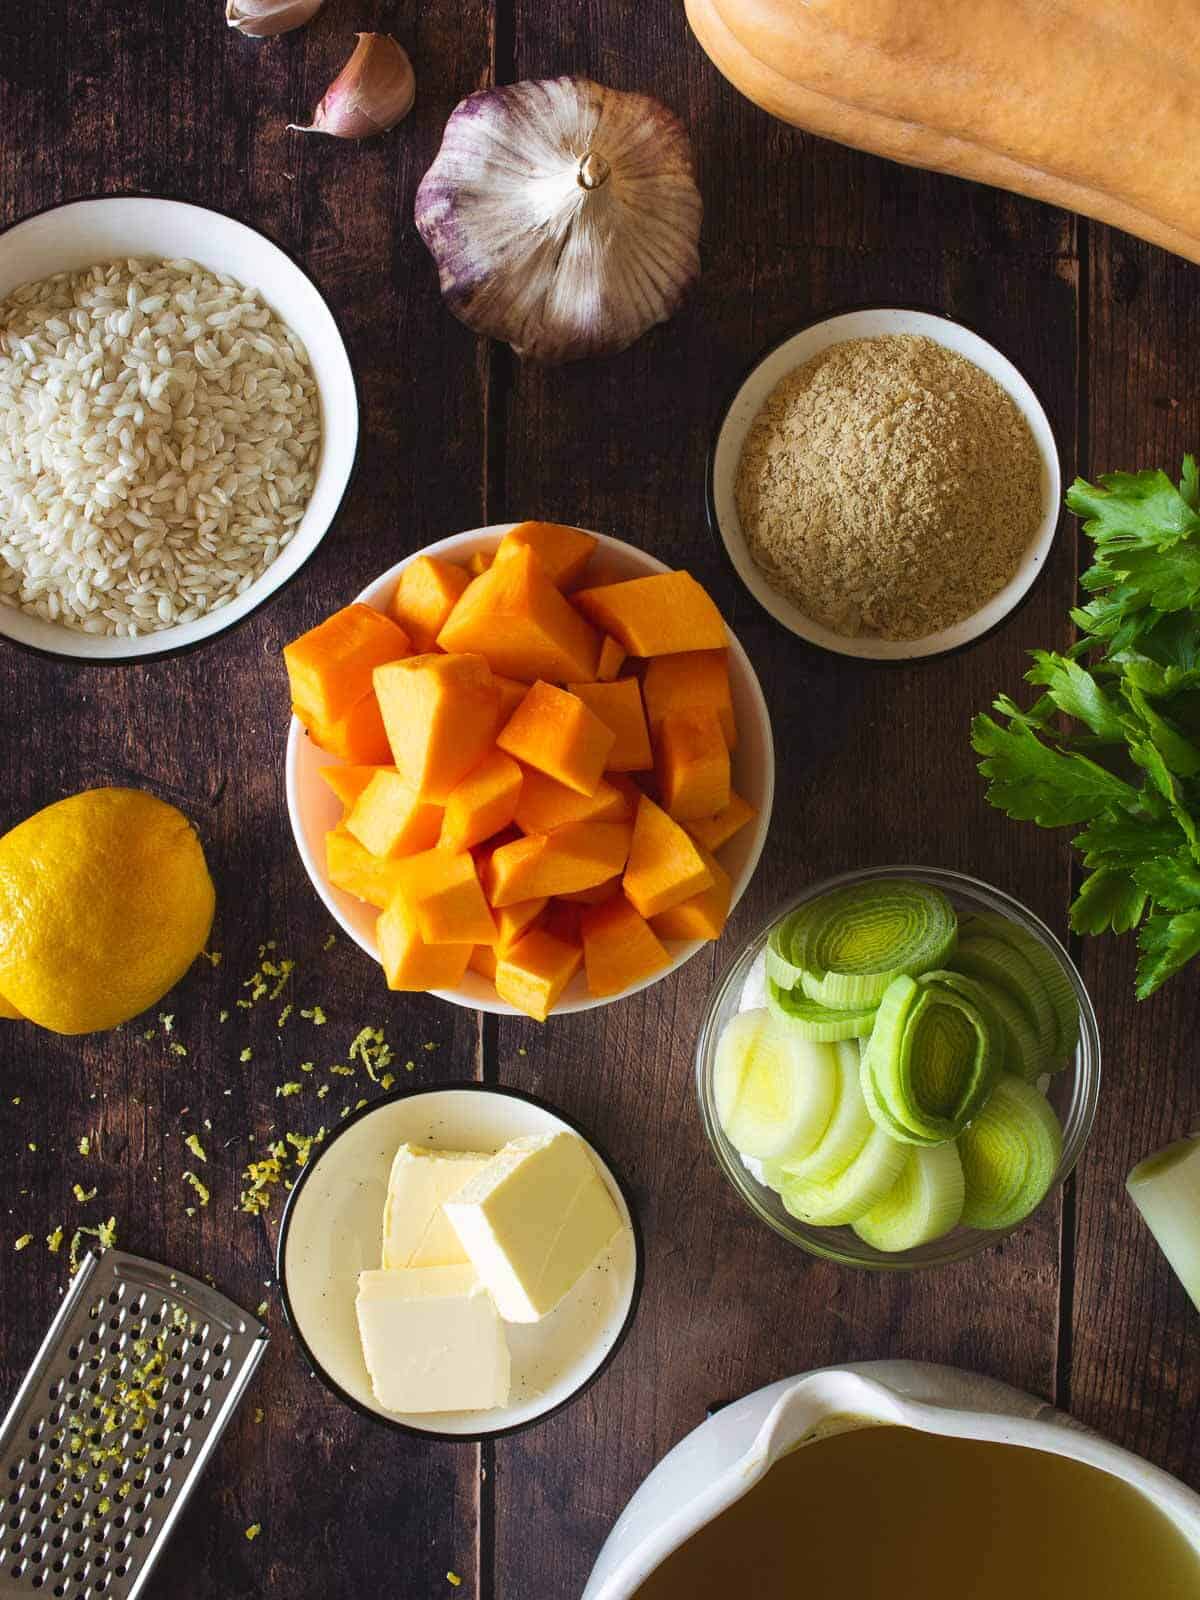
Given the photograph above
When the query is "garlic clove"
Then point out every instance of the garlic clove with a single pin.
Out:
(372, 93)
(263, 19)
(563, 216)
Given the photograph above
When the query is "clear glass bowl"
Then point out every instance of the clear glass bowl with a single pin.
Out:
(1072, 1092)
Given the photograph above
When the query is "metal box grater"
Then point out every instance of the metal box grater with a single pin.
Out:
(139, 1373)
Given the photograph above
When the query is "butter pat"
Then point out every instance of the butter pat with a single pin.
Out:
(416, 1232)
(533, 1221)
(432, 1340)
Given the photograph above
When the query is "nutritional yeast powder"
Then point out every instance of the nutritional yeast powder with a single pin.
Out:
(889, 486)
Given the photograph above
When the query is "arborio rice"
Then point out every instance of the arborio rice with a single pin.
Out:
(159, 436)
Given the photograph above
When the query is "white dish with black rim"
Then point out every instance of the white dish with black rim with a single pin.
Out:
(84, 232)
(870, 323)
(332, 1230)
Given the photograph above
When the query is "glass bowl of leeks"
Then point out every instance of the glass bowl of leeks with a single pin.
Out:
(898, 1068)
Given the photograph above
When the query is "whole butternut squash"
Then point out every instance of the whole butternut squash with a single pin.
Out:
(1089, 104)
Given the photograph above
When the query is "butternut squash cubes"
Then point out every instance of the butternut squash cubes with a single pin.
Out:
(410, 961)
(702, 915)
(481, 803)
(545, 804)
(351, 867)
(612, 659)
(563, 552)
(514, 617)
(693, 764)
(656, 616)
(619, 707)
(534, 776)
(578, 855)
(347, 783)
(389, 818)
(555, 732)
(533, 973)
(441, 889)
(424, 597)
(686, 681)
(619, 947)
(665, 864)
(330, 666)
(712, 832)
(440, 715)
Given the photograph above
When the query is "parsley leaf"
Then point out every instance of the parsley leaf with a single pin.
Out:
(1127, 838)
(1167, 944)
(1132, 509)
(1109, 900)
(1073, 689)
(1033, 782)
(1173, 882)
(1114, 740)
(1179, 755)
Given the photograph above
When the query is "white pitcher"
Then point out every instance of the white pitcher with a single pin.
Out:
(727, 1455)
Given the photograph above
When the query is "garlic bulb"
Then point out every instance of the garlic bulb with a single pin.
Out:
(263, 19)
(563, 216)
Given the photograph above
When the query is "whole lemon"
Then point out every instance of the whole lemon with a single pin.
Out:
(105, 902)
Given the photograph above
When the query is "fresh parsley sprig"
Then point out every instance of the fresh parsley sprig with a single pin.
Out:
(1113, 742)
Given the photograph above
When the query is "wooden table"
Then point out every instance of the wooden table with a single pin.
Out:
(875, 766)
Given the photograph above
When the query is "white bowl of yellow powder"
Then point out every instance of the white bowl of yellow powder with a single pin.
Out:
(886, 483)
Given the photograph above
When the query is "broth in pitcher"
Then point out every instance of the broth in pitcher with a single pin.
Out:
(891, 1513)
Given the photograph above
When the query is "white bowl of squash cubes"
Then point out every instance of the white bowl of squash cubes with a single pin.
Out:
(529, 769)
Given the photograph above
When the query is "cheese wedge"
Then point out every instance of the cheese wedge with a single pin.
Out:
(432, 1340)
(416, 1232)
(533, 1221)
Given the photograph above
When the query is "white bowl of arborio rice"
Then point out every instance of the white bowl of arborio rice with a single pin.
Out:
(178, 425)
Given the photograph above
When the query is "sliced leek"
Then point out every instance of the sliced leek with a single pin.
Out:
(929, 1064)
(1059, 989)
(848, 945)
(885, 1077)
(779, 969)
(774, 1091)
(854, 1191)
(1009, 1155)
(814, 1021)
(1014, 1036)
(1166, 1190)
(982, 956)
(849, 1129)
(924, 1203)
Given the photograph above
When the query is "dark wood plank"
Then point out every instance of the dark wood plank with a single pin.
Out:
(92, 98)
(1136, 1354)
(874, 766)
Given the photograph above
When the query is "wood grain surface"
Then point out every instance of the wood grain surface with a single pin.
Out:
(874, 766)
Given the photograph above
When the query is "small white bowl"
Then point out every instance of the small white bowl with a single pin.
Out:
(313, 809)
(85, 232)
(810, 341)
(332, 1229)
